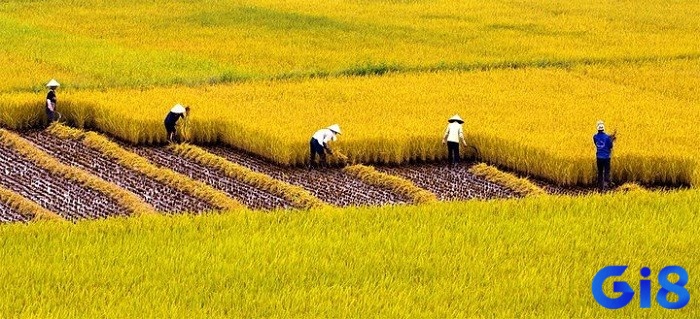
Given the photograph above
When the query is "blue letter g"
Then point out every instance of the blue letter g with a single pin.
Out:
(618, 286)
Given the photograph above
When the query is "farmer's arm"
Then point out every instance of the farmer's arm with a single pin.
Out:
(326, 139)
(461, 136)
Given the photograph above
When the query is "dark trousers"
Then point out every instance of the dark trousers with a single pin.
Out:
(316, 148)
(453, 152)
(170, 129)
(603, 172)
(50, 116)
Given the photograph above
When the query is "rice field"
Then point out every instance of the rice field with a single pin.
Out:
(98, 44)
(516, 258)
(398, 118)
(235, 227)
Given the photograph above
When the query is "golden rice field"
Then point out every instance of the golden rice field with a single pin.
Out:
(517, 258)
(530, 77)
(97, 44)
(294, 68)
(536, 121)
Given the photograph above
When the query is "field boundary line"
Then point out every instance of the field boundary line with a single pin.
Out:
(522, 186)
(26, 207)
(298, 196)
(382, 68)
(133, 161)
(630, 187)
(397, 184)
(124, 198)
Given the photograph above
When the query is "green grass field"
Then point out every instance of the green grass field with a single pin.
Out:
(527, 258)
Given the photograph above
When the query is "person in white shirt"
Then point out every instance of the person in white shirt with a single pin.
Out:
(319, 143)
(453, 135)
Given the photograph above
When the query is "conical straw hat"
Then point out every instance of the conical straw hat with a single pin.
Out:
(456, 118)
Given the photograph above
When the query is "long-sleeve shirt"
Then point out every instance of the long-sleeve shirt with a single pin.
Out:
(175, 114)
(603, 144)
(171, 118)
(324, 136)
(454, 133)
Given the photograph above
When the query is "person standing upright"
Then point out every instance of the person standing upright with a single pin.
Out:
(604, 145)
(51, 101)
(453, 135)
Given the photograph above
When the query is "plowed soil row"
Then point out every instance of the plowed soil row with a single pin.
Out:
(52, 192)
(563, 190)
(248, 195)
(161, 196)
(9, 215)
(330, 185)
(450, 183)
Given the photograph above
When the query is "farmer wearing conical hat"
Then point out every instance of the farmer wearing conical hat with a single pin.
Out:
(178, 111)
(319, 143)
(603, 144)
(51, 101)
(453, 135)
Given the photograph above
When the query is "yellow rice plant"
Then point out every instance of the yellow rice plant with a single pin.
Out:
(124, 198)
(521, 186)
(531, 258)
(216, 198)
(401, 117)
(25, 206)
(298, 196)
(399, 185)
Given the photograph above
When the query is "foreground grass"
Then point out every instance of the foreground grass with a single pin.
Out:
(531, 258)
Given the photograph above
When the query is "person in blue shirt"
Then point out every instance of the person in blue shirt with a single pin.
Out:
(603, 144)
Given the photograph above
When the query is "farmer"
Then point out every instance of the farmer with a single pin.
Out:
(319, 143)
(51, 101)
(453, 135)
(178, 111)
(603, 144)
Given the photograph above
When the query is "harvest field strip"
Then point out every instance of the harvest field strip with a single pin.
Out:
(215, 198)
(296, 195)
(450, 183)
(249, 195)
(52, 191)
(331, 185)
(520, 185)
(17, 208)
(162, 197)
(397, 184)
(10, 215)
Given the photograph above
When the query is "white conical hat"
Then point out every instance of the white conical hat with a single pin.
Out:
(178, 109)
(600, 125)
(53, 83)
(335, 128)
(456, 118)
